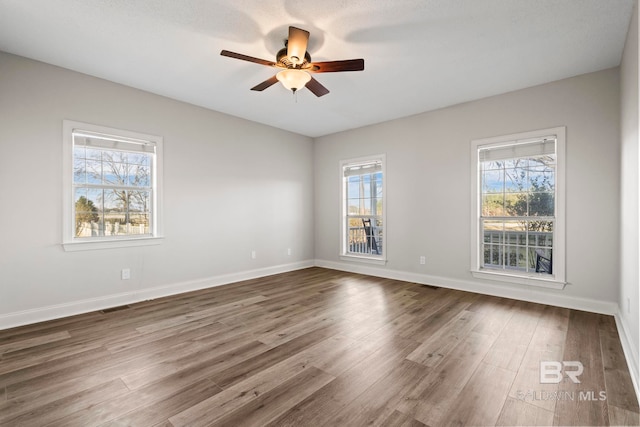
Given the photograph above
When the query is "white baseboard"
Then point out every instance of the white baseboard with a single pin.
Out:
(224, 279)
(523, 293)
(630, 352)
(42, 314)
(73, 308)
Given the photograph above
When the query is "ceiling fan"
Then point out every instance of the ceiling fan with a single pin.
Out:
(295, 62)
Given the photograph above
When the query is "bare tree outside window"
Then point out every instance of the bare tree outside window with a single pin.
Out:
(117, 184)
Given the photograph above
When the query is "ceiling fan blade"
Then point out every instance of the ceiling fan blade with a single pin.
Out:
(265, 84)
(316, 87)
(335, 66)
(297, 45)
(248, 58)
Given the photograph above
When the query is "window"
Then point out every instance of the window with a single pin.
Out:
(363, 207)
(111, 187)
(518, 219)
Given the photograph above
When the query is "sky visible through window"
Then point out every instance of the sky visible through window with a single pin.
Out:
(112, 192)
(363, 198)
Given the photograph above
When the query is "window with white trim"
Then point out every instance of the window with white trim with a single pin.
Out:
(363, 207)
(518, 204)
(111, 186)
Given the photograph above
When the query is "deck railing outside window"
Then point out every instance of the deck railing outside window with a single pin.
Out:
(362, 243)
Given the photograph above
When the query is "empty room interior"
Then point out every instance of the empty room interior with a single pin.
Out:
(244, 213)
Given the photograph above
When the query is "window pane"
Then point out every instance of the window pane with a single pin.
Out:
(516, 258)
(357, 239)
(94, 172)
(111, 212)
(96, 196)
(116, 214)
(542, 260)
(139, 201)
(493, 205)
(79, 171)
(369, 206)
(364, 236)
(79, 153)
(364, 194)
(493, 231)
(541, 204)
(353, 206)
(515, 178)
(541, 233)
(492, 181)
(493, 256)
(85, 213)
(115, 173)
(378, 207)
(541, 179)
(353, 187)
(516, 231)
(139, 176)
(88, 212)
(511, 244)
(523, 260)
(515, 204)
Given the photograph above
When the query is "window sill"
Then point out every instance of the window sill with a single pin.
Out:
(363, 259)
(111, 244)
(531, 280)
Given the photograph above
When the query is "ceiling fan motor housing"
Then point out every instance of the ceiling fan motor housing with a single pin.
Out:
(283, 60)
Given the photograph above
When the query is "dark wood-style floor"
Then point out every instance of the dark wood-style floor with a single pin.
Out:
(316, 347)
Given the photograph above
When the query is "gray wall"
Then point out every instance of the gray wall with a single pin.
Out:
(231, 186)
(428, 187)
(629, 164)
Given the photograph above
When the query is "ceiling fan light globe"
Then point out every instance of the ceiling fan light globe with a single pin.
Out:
(293, 79)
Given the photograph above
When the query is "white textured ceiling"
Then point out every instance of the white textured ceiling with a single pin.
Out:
(419, 55)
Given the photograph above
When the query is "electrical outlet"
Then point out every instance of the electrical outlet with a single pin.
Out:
(126, 274)
(423, 260)
(253, 255)
(288, 251)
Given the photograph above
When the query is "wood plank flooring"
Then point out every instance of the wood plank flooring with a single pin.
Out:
(316, 347)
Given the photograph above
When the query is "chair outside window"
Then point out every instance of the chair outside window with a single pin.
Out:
(543, 264)
(371, 239)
